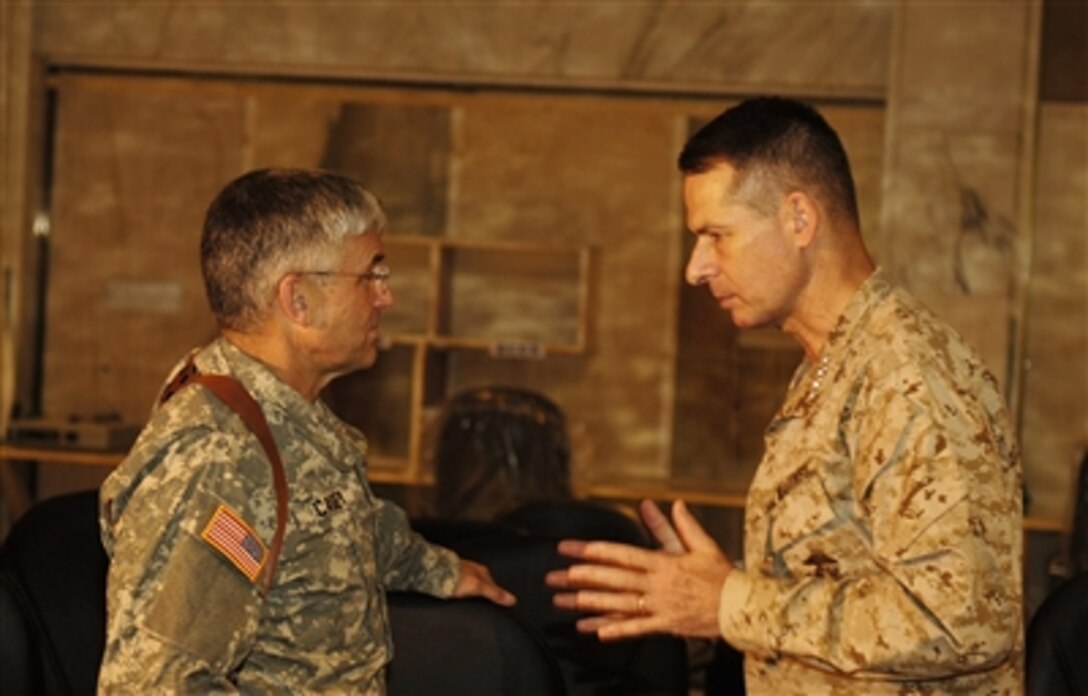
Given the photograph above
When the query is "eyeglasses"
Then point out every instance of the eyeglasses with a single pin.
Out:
(378, 276)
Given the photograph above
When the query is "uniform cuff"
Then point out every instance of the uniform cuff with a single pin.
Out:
(446, 581)
(734, 596)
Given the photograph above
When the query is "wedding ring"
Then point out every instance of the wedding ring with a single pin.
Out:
(642, 604)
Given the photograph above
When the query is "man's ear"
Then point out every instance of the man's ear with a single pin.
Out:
(293, 300)
(802, 217)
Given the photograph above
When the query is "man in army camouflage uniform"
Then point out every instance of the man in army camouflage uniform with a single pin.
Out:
(293, 268)
(883, 525)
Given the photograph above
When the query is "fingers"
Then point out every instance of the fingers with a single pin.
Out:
(692, 534)
(475, 581)
(612, 623)
(565, 600)
(575, 548)
(608, 553)
(628, 591)
(659, 526)
(604, 576)
(628, 628)
(591, 624)
(625, 604)
(498, 595)
(616, 626)
(687, 535)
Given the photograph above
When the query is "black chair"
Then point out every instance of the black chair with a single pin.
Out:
(52, 592)
(575, 519)
(725, 672)
(1078, 538)
(1057, 642)
(466, 647)
(504, 499)
(520, 549)
(52, 620)
(15, 646)
(1073, 558)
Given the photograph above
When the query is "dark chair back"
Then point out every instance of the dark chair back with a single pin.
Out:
(53, 616)
(1078, 538)
(1057, 642)
(520, 549)
(16, 659)
(53, 590)
(577, 519)
(466, 647)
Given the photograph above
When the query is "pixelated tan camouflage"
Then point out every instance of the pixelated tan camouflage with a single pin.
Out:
(182, 617)
(883, 526)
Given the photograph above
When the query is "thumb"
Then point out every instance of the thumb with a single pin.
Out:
(475, 581)
(660, 527)
(692, 534)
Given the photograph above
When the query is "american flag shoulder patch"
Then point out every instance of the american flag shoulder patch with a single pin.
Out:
(228, 533)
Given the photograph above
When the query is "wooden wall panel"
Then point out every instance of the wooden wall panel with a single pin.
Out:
(538, 169)
(400, 151)
(598, 172)
(1055, 418)
(288, 127)
(954, 223)
(134, 171)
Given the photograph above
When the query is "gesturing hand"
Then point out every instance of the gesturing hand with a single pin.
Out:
(630, 591)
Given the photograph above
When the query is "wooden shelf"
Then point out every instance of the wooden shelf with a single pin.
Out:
(510, 300)
(499, 296)
(56, 455)
(664, 491)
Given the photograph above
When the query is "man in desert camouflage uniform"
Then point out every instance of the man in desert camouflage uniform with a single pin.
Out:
(294, 272)
(883, 525)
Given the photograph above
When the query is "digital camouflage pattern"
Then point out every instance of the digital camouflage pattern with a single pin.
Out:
(182, 617)
(883, 526)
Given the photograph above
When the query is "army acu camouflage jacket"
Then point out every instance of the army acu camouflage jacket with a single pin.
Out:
(187, 518)
(883, 525)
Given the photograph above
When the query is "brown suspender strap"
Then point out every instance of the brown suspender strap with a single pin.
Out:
(231, 392)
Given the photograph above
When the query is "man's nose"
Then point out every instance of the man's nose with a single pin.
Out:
(384, 299)
(701, 264)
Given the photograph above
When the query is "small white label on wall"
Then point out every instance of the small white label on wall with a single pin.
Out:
(150, 296)
(518, 350)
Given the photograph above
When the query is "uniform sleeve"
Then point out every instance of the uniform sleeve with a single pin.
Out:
(935, 521)
(183, 599)
(407, 561)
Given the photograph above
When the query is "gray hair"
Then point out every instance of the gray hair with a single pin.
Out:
(271, 221)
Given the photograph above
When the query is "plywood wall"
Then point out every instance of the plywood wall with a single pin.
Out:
(1054, 423)
(137, 160)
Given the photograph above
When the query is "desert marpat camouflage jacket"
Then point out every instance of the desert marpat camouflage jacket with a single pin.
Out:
(883, 525)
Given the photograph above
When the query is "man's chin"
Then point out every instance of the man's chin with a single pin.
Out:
(745, 321)
(361, 361)
(369, 357)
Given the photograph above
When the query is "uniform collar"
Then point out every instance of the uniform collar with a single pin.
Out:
(811, 378)
(344, 446)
